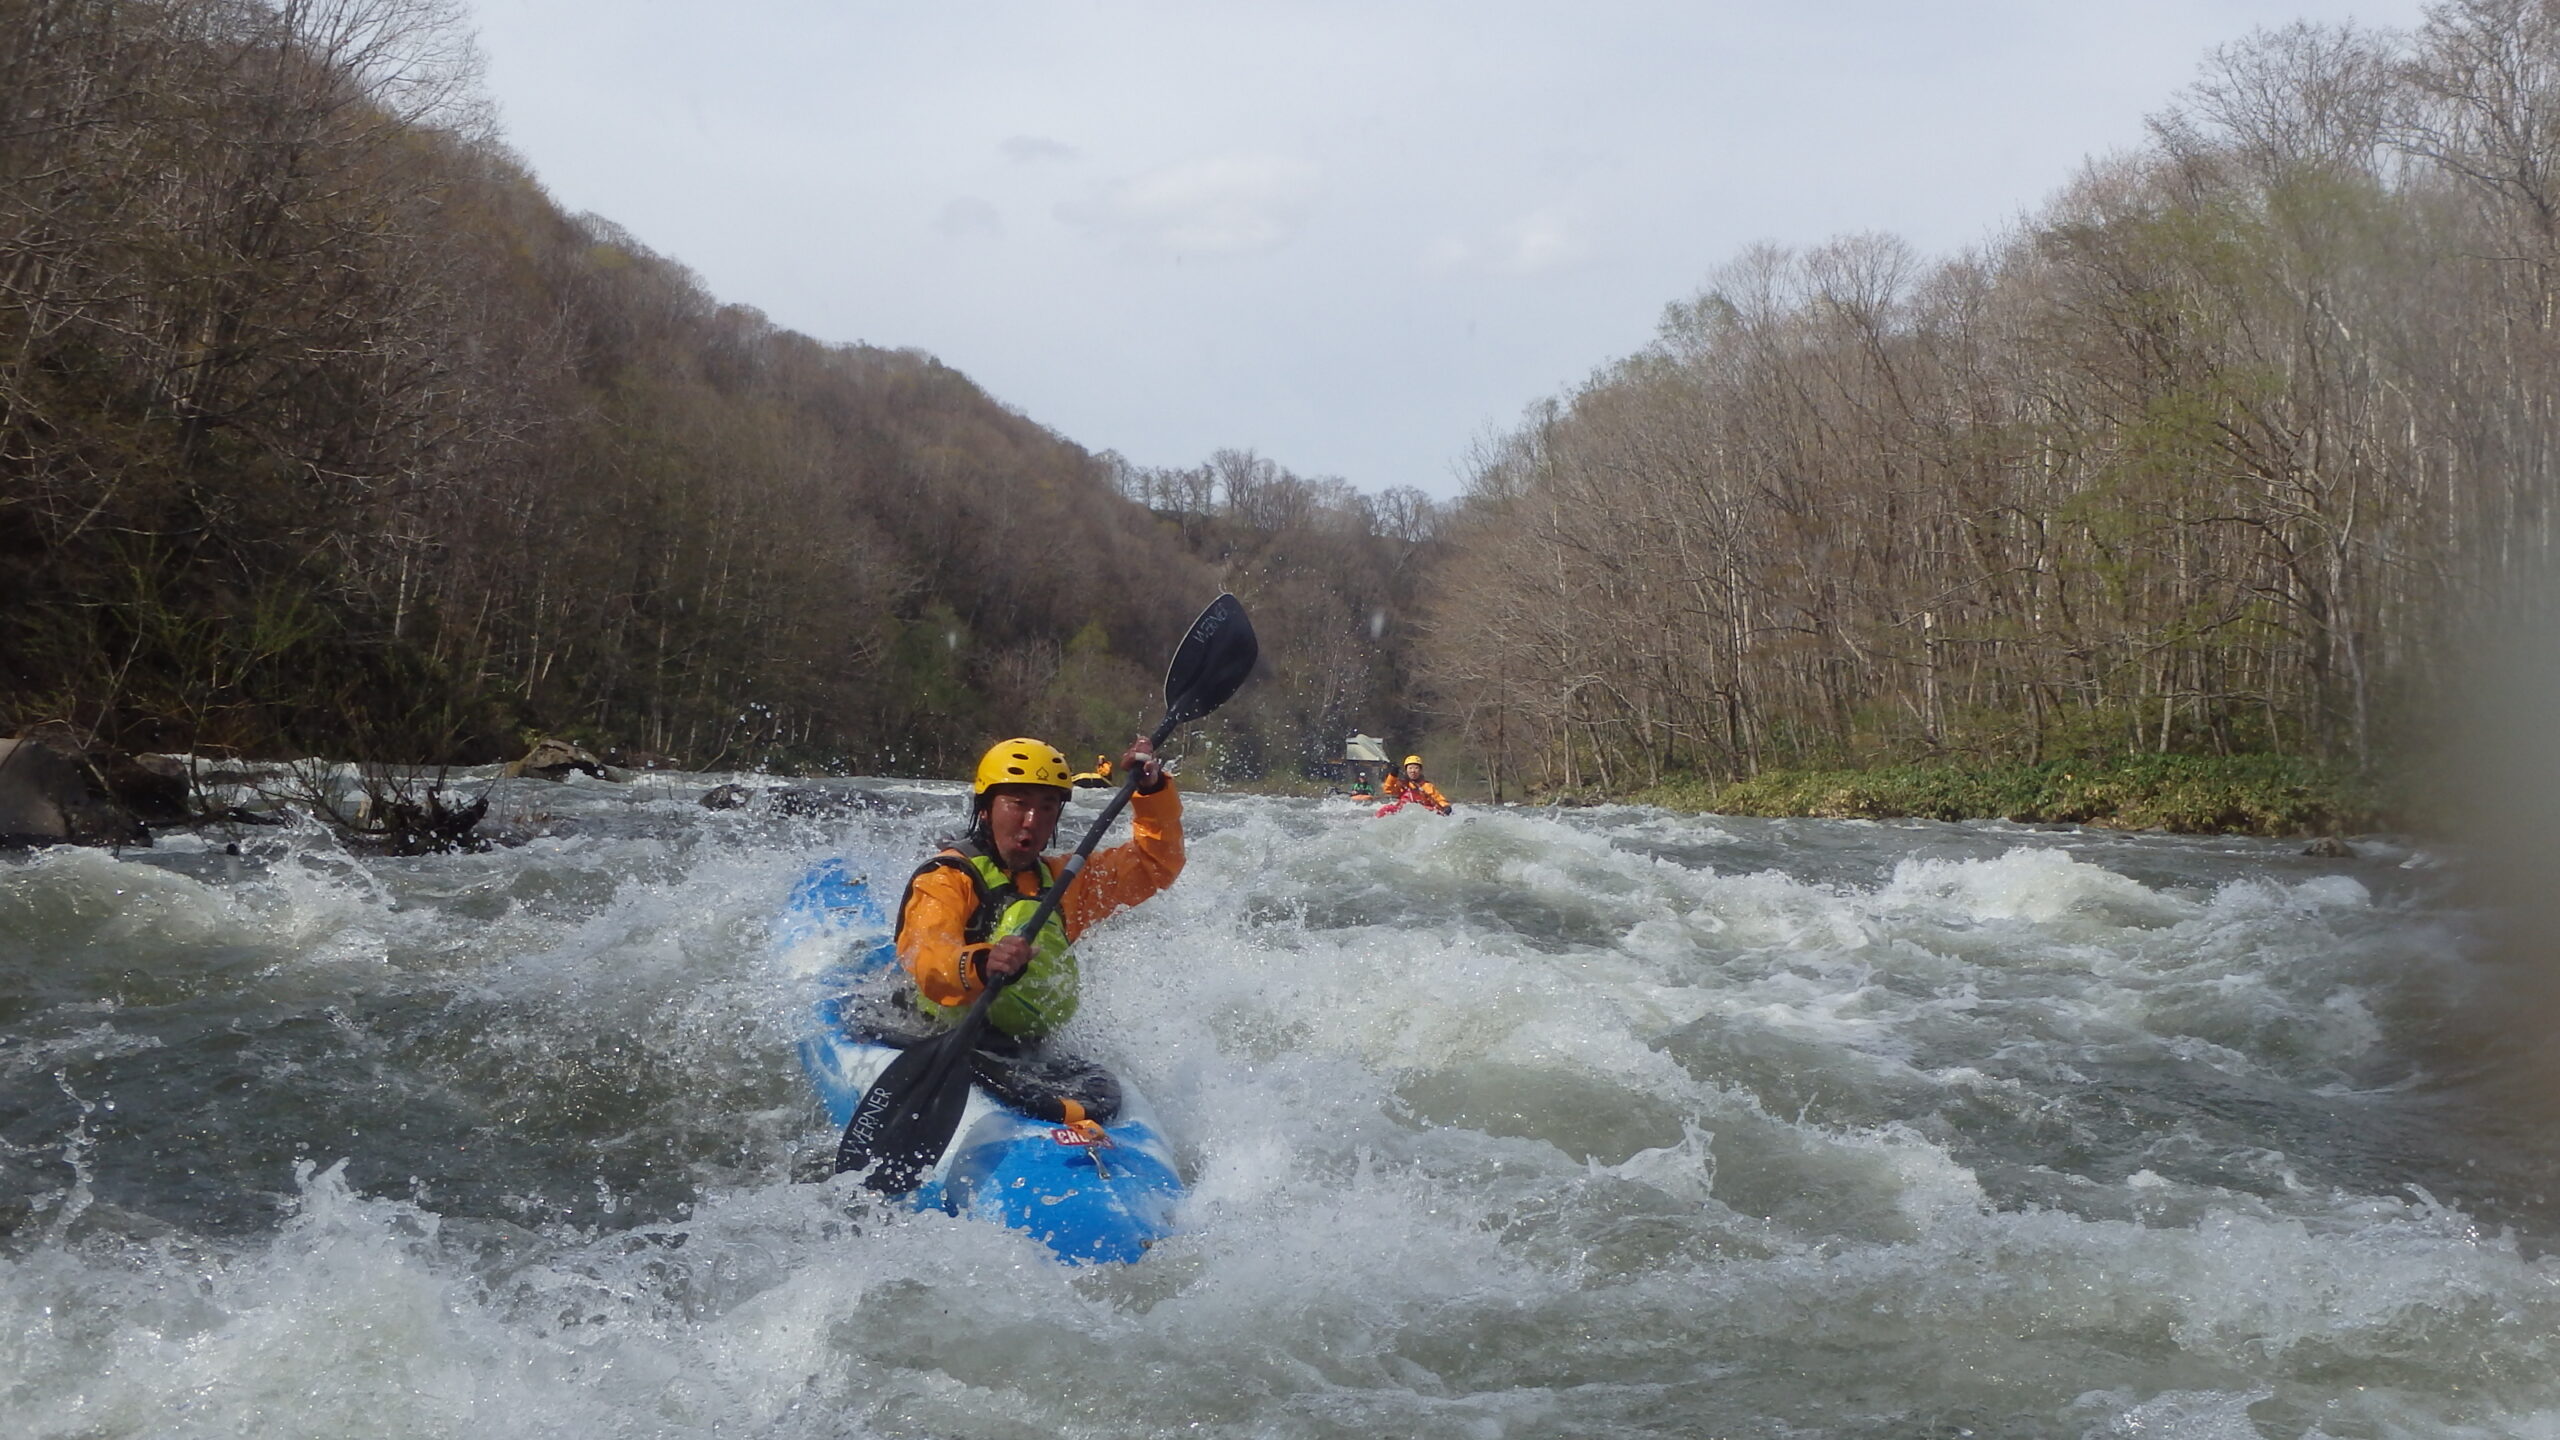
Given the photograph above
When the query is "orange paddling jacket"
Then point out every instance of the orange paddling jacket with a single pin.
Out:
(1420, 791)
(943, 906)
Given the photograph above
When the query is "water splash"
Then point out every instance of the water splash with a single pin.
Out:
(1602, 1122)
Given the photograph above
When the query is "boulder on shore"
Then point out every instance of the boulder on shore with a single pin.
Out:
(52, 793)
(154, 787)
(554, 760)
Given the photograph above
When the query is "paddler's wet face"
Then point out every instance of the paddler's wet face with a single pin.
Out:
(1022, 819)
(1413, 772)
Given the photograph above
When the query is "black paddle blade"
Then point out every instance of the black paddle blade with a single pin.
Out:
(1215, 657)
(908, 1116)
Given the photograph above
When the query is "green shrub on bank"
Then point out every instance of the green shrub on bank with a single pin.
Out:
(2187, 794)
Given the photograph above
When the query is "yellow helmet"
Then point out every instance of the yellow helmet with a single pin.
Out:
(1413, 759)
(1023, 761)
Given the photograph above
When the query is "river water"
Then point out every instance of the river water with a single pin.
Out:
(1527, 1123)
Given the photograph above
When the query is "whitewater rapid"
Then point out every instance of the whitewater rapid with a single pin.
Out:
(1523, 1123)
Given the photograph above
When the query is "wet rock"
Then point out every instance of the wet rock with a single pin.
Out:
(801, 801)
(153, 787)
(554, 760)
(50, 794)
(2330, 847)
(808, 800)
(33, 784)
(241, 815)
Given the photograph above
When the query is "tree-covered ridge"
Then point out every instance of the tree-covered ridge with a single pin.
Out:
(2211, 455)
(323, 430)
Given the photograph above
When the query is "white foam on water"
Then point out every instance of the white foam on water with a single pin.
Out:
(2052, 890)
(2174, 1415)
(1496, 1125)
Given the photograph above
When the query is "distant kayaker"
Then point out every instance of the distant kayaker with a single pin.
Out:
(1411, 788)
(987, 883)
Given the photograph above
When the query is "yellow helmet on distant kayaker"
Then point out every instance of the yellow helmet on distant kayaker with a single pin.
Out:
(1023, 761)
(1413, 759)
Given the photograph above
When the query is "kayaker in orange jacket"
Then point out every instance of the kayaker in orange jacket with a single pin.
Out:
(1410, 787)
(956, 922)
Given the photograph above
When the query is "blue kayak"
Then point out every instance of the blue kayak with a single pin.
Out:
(1090, 1192)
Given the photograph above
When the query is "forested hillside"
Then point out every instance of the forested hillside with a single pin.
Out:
(2213, 454)
(323, 430)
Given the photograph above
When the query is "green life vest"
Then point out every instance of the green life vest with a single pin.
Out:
(1043, 996)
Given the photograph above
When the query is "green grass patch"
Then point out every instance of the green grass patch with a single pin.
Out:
(2186, 794)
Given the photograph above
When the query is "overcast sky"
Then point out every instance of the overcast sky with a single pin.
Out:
(1353, 237)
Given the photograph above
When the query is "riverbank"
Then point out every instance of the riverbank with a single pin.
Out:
(2272, 795)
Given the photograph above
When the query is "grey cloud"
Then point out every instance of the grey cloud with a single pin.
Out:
(1222, 205)
(1529, 244)
(1035, 149)
(969, 216)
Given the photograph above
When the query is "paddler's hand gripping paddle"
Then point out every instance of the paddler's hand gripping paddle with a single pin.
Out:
(908, 1116)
